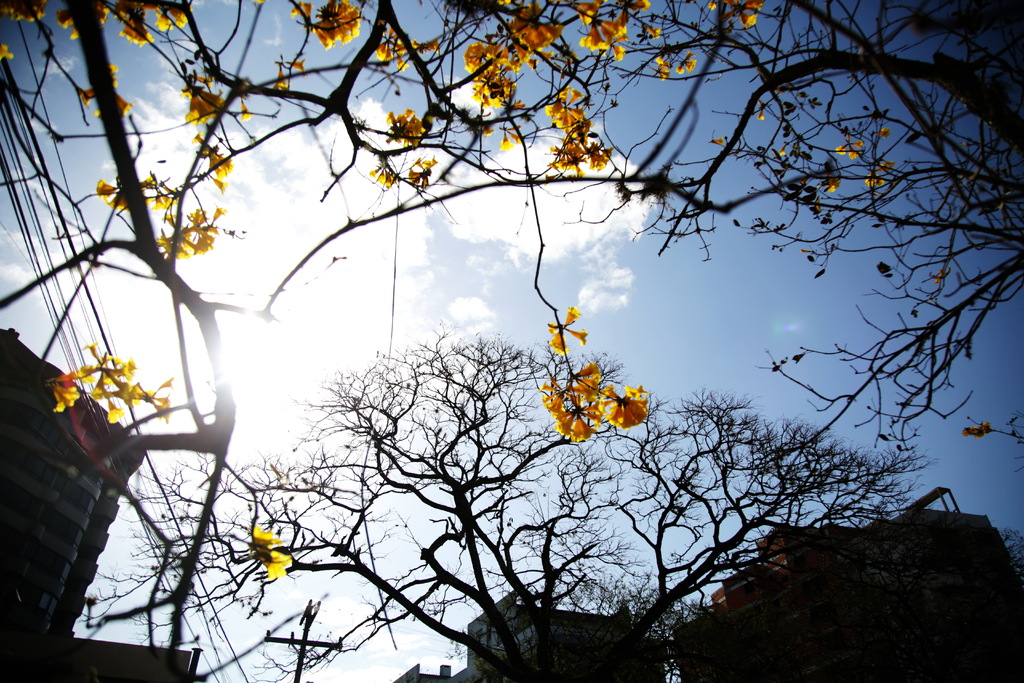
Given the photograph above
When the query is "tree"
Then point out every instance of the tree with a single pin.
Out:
(903, 139)
(434, 480)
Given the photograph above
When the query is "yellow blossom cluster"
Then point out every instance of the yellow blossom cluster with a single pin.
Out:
(193, 239)
(493, 66)
(99, 8)
(219, 165)
(529, 34)
(559, 330)
(850, 149)
(262, 547)
(745, 10)
(123, 106)
(134, 18)
(87, 95)
(204, 105)
(419, 174)
(285, 71)
(875, 178)
(113, 379)
(579, 146)
(583, 403)
(405, 128)
(385, 175)
(495, 63)
(336, 22)
(24, 10)
(610, 33)
(392, 50)
(978, 431)
(663, 66)
(158, 195)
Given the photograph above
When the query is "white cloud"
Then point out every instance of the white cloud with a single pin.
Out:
(342, 612)
(15, 274)
(583, 225)
(606, 288)
(471, 314)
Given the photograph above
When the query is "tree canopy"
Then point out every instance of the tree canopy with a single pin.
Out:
(435, 479)
(831, 129)
(893, 129)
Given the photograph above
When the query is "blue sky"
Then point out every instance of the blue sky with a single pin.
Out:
(678, 322)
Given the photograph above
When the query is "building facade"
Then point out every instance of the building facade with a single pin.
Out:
(56, 500)
(927, 596)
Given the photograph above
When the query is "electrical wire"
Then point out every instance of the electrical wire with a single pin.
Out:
(19, 148)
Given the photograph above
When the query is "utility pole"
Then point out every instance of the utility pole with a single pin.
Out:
(306, 621)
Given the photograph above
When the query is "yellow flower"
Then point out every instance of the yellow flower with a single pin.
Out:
(112, 378)
(5, 52)
(557, 331)
(405, 128)
(27, 10)
(203, 104)
(220, 166)
(582, 417)
(661, 68)
(419, 174)
(588, 10)
(384, 175)
(874, 178)
(110, 195)
(262, 548)
(850, 149)
(337, 22)
(978, 431)
(509, 139)
(607, 34)
(391, 48)
(195, 239)
(625, 412)
(65, 391)
(689, 63)
(576, 427)
(133, 16)
(165, 18)
(114, 413)
(746, 9)
(531, 32)
(589, 384)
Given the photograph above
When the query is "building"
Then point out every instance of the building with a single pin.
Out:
(35, 658)
(576, 641)
(57, 502)
(55, 505)
(929, 595)
(414, 675)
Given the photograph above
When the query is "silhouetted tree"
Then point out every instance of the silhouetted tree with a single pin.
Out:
(435, 479)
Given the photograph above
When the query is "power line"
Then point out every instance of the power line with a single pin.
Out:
(29, 183)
